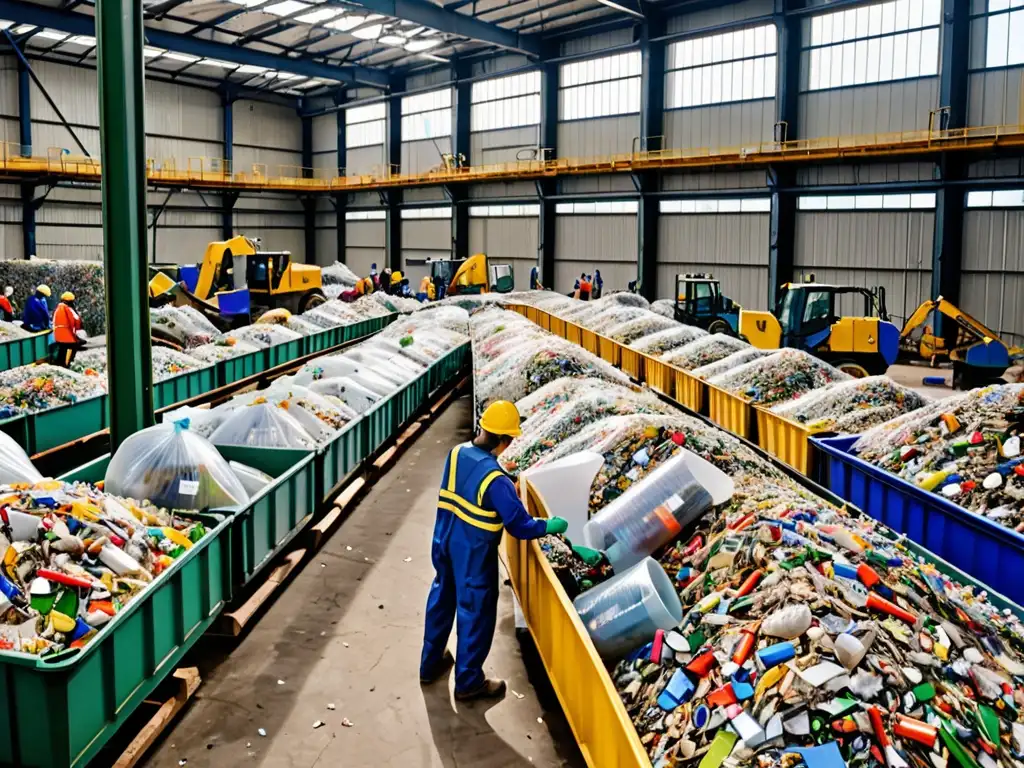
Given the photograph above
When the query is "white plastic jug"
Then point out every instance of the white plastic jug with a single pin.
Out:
(564, 487)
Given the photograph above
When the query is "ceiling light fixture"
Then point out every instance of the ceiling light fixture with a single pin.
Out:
(181, 57)
(396, 40)
(432, 57)
(319, 16)
(285, 8)
(51, 34)
(152, 53)
(620, 7)
(24, 28)
(251, 69)
(86, 40)
(346, 23)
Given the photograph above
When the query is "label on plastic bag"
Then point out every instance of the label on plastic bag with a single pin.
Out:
(673, 502)
(188, 487)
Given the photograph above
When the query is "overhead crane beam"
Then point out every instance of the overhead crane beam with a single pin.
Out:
(82, 24)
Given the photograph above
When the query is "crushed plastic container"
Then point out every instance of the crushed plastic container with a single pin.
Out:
(564, 486)
(625, 612)
(655, 510)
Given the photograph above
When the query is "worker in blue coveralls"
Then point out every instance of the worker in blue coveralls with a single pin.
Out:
(476, 501)
(36, 315)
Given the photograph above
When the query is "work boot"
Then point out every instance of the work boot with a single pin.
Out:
(446, 664)
(491, 689)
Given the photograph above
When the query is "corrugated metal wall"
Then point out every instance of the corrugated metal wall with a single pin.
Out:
(599, 136)
(585, 243)
(869, 248)
(9, 101)
(10, 222)
(277, 219)
(899, 106)
(727, 12)
(732, 246)
(507, 240)
(505, 146)
(424, 239)
(267, 135)
(993, 270)
(993, 95)
(364, 245)
(325, 146)
(423, 156)
(369, 160)
(727, 125)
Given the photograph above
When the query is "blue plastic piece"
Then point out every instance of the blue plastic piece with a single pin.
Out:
(825, 756)
(741, 686)
(844, 570)
(934, 381)
(189, 275)
(233, 302)
(985, 550)
(678, 691)
(888, 341)
(774, 655)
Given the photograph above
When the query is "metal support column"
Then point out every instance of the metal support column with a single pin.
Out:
(782, 228)
(950, 199)
(227, 224)
(652, 111)
(309, 204)
(28, 189)
(548, 150)
(462, 71)
(340, 199)
(393, 137)
(122, 101)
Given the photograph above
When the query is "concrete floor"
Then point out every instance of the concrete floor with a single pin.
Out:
(347, 631)
(912, 376)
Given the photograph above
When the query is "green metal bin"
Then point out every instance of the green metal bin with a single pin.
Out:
(279, 354)
(340, 457)
(241, 367)
(183, 387)
(25, 351)
(57, 426)
(60, 711)
(273, 517)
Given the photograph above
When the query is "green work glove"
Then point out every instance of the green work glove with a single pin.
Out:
(557, 525)
(589, 556)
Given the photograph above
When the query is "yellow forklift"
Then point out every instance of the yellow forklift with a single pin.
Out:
(452, 277)
(237, 281)
(811, 316)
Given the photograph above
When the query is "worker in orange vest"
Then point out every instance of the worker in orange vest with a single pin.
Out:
(66, 326)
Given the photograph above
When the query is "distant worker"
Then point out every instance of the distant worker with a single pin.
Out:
(363, 287)
(373, 275)
(384, 280)
(6, 308)
(477, 499)
(66, 326)
(535, 280)
(36, 316)
(427, 291)
(395, 288)
(598, 285)
(584, 288)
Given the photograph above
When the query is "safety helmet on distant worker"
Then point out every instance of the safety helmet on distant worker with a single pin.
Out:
(396, 277)
(44, 289)
(67, 296)
(501, 418)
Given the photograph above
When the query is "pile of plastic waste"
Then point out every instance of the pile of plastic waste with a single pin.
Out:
(34, 388)
(966, 447)
(729, 363)
(75, 556)
(664, 307)
(10, 331)
(704, 350)
(765, 627)
(657, 344)
(224, 349)
(338, 274)
(640, 327)
(184, 326)
(263, 335)
(851, 407)
(780, 376)
(168, 363)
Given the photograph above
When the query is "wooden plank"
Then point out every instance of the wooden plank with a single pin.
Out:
(188, 681)
(341, 504)
(238, 618)
(393, 452)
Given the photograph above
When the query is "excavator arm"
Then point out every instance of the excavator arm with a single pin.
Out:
(213, 262)
(965, 321)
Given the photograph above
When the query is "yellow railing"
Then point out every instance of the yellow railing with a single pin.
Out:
(218, 173)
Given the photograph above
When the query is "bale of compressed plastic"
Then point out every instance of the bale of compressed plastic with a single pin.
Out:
(852, 406)
(83, 278)
(173, 467)
(704, 350)
(783, 375)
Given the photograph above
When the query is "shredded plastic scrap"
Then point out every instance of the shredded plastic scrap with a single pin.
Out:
(852, 406)
(783, 375)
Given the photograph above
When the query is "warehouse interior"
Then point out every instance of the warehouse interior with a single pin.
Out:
(870, 143)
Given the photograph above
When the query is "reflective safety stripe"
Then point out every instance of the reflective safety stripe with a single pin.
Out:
(483, 486)
(453, 463)
(465, 517)
(468, 506)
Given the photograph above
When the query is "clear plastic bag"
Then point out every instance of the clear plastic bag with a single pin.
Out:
(223, 350)
(852, 406)
(332, 366)
(354, 395)
(392, 366)
(15, 465)
(704, 351)
(173, 467)
(656, 344)
(334, 413)
(626, 611)
(201, 421)
(301, 325)
(262, 425)
(783, 375)
(265, 335)
(655, 511)
(252, 479)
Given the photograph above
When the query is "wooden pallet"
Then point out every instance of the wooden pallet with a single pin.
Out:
(188, 680)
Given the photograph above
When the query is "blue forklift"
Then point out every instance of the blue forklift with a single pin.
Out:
(699, 302)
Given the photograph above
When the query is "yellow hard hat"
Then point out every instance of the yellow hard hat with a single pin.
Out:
(501, 418)
(44, 289)
(396, 277)
(67, 296)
